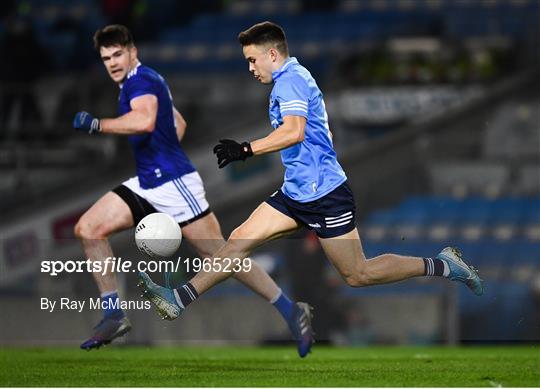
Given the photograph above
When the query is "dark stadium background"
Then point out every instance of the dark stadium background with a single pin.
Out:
(435, 108)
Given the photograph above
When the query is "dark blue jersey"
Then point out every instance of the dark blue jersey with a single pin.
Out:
(158, 155)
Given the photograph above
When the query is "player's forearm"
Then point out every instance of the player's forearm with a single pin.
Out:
(281, 138)
(132, 123)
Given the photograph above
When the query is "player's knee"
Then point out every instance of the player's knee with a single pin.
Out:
(238, 240)
(357, 279)
(237, 235)
(79, 230)
(84, 229)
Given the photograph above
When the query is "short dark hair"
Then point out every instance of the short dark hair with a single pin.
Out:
(265, 33)
(112, 35)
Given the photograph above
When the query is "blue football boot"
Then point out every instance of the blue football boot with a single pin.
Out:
(460, 271)
(300, 326)
(164, 299)
(107, 330)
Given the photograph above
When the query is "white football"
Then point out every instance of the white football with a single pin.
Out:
(158, 235)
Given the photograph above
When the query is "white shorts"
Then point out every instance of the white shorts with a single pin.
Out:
(183, 198)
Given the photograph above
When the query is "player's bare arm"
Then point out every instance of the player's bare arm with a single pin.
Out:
(141, 119)
(291, 132)
(288, 134)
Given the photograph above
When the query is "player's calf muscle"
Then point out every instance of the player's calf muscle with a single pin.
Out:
(357, 280)
(357, 276)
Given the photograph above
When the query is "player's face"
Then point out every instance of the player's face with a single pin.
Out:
(118, 60)
(261, 61)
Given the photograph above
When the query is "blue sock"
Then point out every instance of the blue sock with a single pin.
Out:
(284, 305)
(112, 306)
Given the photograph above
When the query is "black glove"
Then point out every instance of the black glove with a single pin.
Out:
(229, 150)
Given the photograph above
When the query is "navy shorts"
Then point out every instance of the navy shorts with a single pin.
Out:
(330, 216)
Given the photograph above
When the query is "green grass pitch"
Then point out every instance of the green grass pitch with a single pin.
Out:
(272, 366)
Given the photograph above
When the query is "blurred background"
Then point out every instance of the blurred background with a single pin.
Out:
(435, 110)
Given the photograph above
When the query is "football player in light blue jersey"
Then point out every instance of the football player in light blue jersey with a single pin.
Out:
(315, 193)
(166, 181)
(311, 166)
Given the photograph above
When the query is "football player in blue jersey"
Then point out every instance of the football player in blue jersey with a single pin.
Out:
(315, 193)
(166, 181)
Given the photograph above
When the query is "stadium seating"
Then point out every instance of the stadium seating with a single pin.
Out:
(512, 132)
(346, 21)
(499, 236)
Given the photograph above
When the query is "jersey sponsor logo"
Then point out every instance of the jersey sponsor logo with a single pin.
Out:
(315, 225)
(158, 173)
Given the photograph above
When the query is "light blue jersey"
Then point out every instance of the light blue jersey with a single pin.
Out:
(311, 167)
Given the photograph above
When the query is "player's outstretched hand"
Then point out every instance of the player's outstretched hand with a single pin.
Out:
(228, 150)
(85, 122)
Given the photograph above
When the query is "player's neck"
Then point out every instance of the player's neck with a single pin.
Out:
(134, 64)
(279, 63)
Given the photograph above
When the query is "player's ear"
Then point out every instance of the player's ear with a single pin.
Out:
(273, 54)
